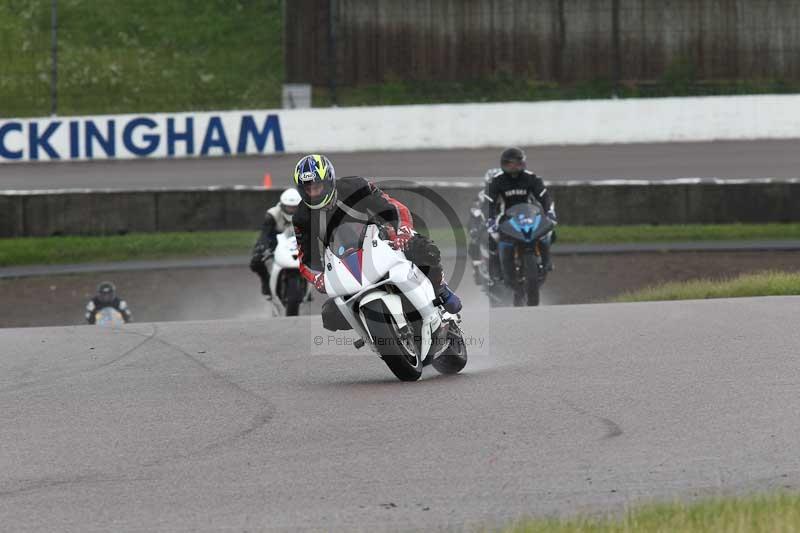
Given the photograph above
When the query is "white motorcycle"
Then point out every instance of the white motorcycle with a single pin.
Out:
(390, 303)
(289, 288)
(108, 316)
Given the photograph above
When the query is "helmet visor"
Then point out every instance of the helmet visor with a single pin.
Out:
(512, 165)
(289, 209)
(314, 190)
(106, 296)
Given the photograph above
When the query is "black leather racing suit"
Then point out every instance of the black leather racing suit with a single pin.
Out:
(274, 223)
(357, 200)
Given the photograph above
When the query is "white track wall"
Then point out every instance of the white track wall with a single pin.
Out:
(400, 128)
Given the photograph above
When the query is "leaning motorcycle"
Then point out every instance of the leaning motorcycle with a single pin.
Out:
(390, 303)
(522, 227)
(289, 288)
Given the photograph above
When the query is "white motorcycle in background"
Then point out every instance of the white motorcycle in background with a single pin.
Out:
(289, 288)
(391, 304)
(108, 316)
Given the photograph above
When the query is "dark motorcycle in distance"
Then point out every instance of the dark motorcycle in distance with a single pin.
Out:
(521, 227)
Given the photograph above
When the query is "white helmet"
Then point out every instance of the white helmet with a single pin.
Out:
(289, 201)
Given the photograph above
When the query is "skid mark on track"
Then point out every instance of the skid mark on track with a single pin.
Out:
(612, 428)
(153, 334)
(29, 486)
(215, 374)
(265, 415)
(51, 379)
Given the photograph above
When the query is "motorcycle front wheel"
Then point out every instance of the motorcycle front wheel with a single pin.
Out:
(294, 292)
(531, 278)
(397, 347)
(526, 291)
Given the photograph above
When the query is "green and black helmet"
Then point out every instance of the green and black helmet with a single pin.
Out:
(315, 179)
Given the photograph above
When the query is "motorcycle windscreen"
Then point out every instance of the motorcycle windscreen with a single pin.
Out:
(344, 259)
(108, 316)
(357, 257)
(346, 238)
(379, 256)
(525, 222)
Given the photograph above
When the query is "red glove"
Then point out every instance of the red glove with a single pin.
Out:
(319, 283)
(404, 235)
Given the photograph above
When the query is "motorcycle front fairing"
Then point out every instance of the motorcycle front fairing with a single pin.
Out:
(286, 253)
(359, 264)
(108, 316)
(285, 256)
(525, 223)
(359, 274)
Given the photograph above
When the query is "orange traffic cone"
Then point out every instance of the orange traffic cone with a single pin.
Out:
(267, 180)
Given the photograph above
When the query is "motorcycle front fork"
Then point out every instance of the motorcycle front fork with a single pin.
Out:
(519, 261)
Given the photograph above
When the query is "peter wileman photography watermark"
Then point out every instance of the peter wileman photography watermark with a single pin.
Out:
(332, 339)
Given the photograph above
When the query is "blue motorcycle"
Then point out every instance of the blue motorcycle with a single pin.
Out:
(519, 235)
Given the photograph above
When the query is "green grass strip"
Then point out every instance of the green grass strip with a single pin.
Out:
(761, 284)
(677, 233)
(655, 234)
(136, 246)
(757, 514)
(60, 250)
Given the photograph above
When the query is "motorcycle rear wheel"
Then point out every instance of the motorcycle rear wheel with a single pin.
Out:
(454, 358)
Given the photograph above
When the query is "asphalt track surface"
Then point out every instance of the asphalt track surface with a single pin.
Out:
(724, 159)
(245, 425)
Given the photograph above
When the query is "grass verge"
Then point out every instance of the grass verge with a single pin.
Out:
(137, 246)
(756, 514)
(677, 233)
(60, 250)
(141, 56)
(760, 284)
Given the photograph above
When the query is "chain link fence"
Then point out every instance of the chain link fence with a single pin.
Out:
(112, 56)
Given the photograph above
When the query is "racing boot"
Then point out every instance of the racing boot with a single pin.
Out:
(450, 302)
